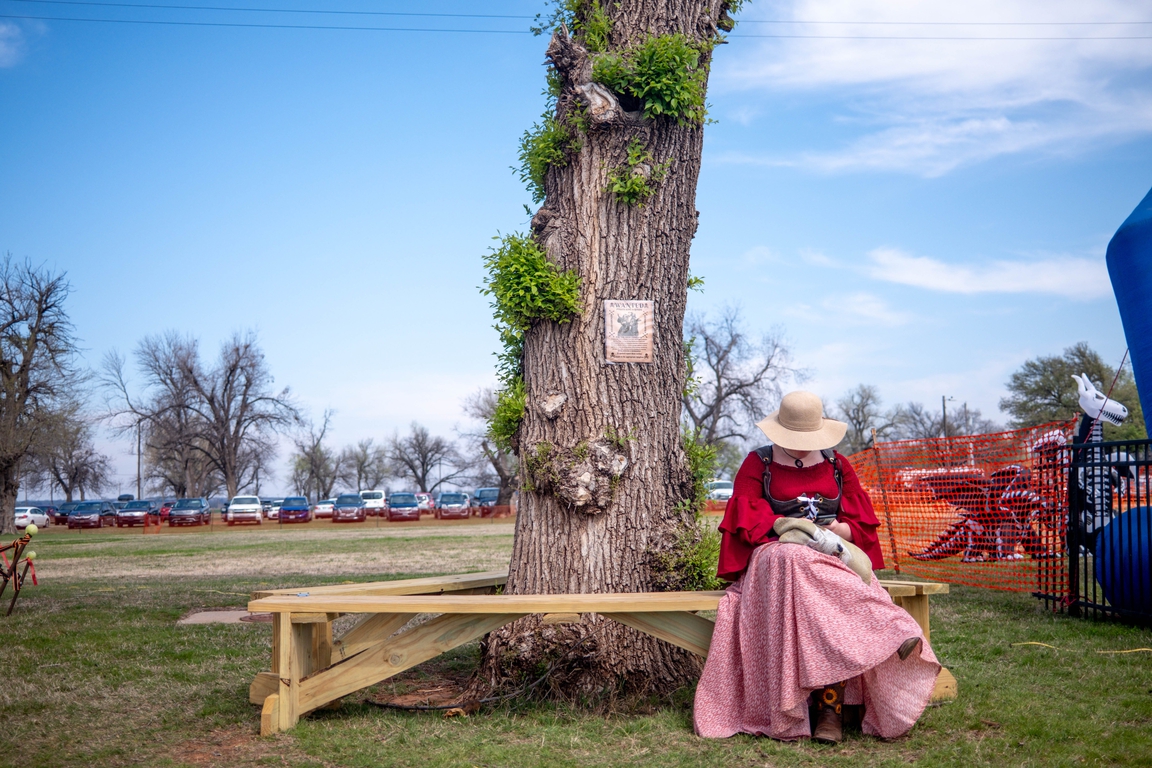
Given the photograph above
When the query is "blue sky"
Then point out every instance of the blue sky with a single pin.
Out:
(922, 215)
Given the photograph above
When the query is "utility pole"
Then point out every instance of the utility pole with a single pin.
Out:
(139, 460)
(944, 413)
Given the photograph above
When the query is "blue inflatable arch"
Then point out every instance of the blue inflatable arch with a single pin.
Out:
(1130, 269)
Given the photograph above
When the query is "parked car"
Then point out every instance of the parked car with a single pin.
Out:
(119, 505)
(33, 515)
(62, 512)
(136, 513)
(426, 502)
(195, 511)
(484, 501)
(50, 511)
(373, 502)
(125, 497)
(166, 508)
(403, 506)
(323, 508)
(719, 490)
(244, 509)
(349, 507)
(452, 506)
(271, 508)
(92, 514)
(295, 509)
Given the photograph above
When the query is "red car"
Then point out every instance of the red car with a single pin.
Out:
(166, 507)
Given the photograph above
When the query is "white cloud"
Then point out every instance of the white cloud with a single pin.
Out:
(929, 106)
(816, 258)
(864, 308)
(11, 44)
(759, 255)
(1070, 276)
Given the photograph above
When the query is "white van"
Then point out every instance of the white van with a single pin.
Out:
(373, 502)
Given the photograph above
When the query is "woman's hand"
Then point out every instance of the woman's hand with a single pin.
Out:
(841, 529)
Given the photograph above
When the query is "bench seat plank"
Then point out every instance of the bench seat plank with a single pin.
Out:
(578, 603)
(428, 586)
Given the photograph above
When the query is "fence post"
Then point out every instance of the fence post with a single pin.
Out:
(884, 498)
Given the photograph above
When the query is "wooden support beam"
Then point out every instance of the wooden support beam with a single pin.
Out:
(946, 687)
(917, 607)
(682, 629)
(921, 587)
(560, 618)
(314, 618)
(407, 649)
(270, 716)
(265, 684)
(372, 629)
(322, 645)
(288, 681)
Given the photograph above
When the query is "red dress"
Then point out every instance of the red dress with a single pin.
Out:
(748, 519)
(797, 620)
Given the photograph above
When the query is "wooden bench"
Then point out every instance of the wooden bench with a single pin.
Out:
(311, 670)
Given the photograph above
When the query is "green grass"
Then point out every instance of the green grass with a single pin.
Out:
(96, 673)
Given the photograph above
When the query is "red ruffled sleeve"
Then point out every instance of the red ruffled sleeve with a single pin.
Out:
(748, 518)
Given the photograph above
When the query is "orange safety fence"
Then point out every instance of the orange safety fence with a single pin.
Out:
(982, 510)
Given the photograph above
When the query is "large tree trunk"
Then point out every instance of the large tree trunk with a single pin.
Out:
(9, 495)
(604, 479)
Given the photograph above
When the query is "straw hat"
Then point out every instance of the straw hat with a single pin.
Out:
(800, 425)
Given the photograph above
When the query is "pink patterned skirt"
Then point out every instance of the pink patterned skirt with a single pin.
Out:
(799, 620)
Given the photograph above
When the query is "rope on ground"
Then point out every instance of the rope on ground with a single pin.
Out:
(1102, 653)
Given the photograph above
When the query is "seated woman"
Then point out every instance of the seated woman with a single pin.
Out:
(797, 621)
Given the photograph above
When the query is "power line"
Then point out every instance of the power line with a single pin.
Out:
(326, 11)
(945, 37)
(928, 23)
(254, 25)
(269, 26)
(272, 10)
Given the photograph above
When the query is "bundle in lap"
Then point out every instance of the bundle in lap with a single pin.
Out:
(799, 620)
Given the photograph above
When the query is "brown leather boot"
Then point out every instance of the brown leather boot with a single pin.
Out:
(906, 647)
(829, 718)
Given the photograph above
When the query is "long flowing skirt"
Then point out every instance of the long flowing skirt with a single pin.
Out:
(799, 620)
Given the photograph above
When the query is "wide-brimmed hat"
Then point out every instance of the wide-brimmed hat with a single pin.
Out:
(800, 425)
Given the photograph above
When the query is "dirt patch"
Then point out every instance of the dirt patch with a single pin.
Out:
(237, 747)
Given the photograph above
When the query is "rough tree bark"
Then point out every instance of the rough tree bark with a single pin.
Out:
(604, 475)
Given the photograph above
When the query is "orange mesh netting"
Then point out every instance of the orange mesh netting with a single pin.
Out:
(983, 510)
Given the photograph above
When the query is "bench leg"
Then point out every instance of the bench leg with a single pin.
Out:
(917, 607)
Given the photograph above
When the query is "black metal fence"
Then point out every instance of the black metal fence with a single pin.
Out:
(1109, 530)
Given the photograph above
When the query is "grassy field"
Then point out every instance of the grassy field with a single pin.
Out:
(96, 672)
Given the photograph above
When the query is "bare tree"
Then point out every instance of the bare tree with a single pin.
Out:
(914, 421)
(228, 411)
(364, 465)
(734, 380)
(67, 457)
(498, 463)
(315, 467)
(427, 460)
(861, 410)
(37, 352)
